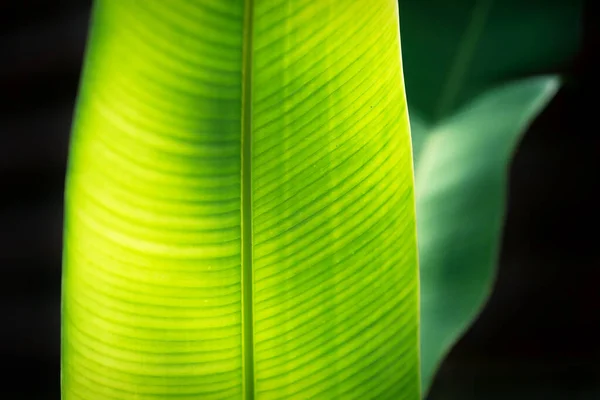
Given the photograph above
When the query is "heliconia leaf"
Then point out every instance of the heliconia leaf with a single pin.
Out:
(240, 218)
(461, 170)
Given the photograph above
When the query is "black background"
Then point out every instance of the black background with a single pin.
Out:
(538, 337)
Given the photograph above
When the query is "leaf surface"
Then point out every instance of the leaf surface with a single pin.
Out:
(239, 205)
(461, 168)
(456, 50)
(455, 53)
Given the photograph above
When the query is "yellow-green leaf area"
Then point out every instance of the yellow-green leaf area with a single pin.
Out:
(239, 208)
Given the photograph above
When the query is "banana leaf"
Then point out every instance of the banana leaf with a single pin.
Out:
(477, 72)
(239, 208)
(461, 167)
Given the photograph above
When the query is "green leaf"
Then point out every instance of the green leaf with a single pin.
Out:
(461, 167)
(239, 205)
(455, 50)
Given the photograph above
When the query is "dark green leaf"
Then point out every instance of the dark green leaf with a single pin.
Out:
(454, 50)
(461, 167)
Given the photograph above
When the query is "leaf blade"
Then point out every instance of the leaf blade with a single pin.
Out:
(330, 186)
(153, 285)
(152, 225)
(464, 161)
(536, 37)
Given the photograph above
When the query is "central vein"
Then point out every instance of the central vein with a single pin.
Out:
(246, 209)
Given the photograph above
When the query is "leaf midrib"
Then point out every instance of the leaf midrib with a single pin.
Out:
(246, 207)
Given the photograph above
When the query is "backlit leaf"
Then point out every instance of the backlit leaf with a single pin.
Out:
(239, 206)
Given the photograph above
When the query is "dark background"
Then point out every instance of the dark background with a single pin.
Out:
(536, 339)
